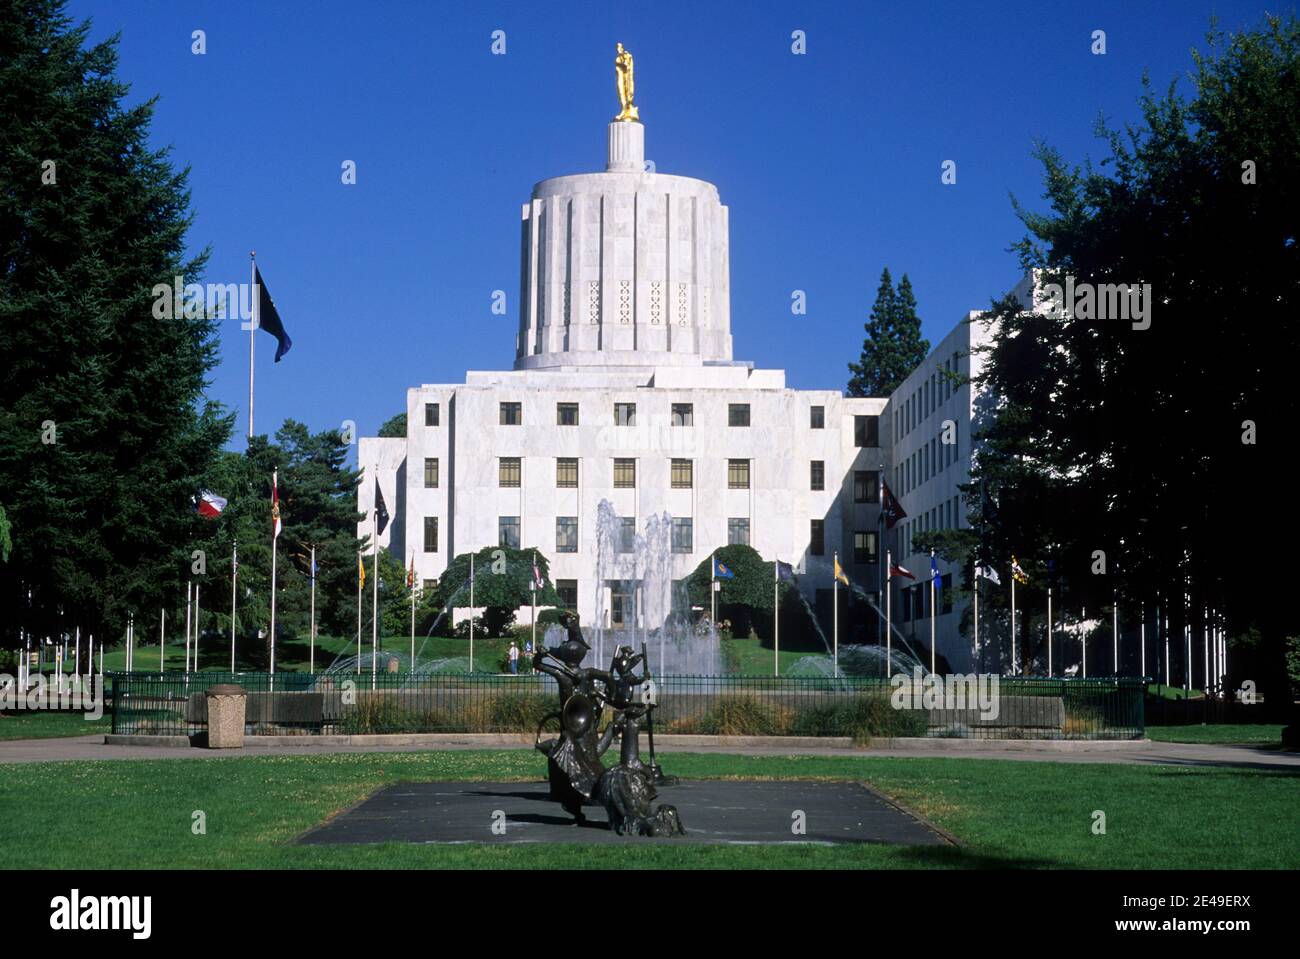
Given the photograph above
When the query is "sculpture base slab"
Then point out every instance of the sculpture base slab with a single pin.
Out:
(715, 811)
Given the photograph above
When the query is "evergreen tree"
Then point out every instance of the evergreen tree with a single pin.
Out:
(103, 431)
(893, 346)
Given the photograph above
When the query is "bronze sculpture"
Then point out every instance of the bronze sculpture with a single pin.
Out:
(574, 768)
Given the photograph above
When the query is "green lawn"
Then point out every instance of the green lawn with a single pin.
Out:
(747, 657)
(138, 813)
(1176, 693)
(47, 724)
(1217, 733)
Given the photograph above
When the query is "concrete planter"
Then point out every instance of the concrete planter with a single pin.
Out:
(226, 703)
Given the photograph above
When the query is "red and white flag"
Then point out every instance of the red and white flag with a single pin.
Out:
(537, 577)
(209, 505)
(898, 569)
(275, 503)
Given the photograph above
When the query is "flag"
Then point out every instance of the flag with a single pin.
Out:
(268, 318)
(208, 504)
(275, 503)
(839, 572)
(313, 566)
(1017, 573)
(784, 571)
(935, 576)
(890, 508)
(537, 576)
(720, 570)
(381, 511)
(989, 573)
(898, 569)
(361, 572)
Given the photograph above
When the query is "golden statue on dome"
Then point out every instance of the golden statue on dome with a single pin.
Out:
(623, 80)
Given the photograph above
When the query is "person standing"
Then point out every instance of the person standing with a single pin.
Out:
(514, 658)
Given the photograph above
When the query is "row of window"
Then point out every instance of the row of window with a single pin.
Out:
(915, 599)
(925, 399)
(865, 542)
(866, 428)
(947, 515)
(926, 462)
(866, 483)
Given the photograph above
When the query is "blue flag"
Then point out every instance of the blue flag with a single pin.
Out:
(934, 573)
(268, 317)
(784, 571)
(720, 571)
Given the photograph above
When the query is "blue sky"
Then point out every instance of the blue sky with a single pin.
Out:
(829, 162)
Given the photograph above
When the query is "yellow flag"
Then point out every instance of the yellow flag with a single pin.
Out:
(361, 571)
(839, 572)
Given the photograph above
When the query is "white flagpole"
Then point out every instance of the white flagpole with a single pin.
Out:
(835, 614)
(76, 659)
(374, 600)
(252, 282)
(1013, 623)
(889, 639)
(1205, 643)
(661, 632)
(1049, 638)
(411, 667)
(234, 582)
(130, 643)
(1114, 632)
(1167, 676)
(196, 626)
(471, 612)
(776, 622)
(360, 569)
(1144, 641)
(189, 598)
(933, 616)
(312, 646)
(162, 640)
(975, 583)
(713, 590)
(275, 544)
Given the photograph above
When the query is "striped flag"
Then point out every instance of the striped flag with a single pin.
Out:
(275, 503)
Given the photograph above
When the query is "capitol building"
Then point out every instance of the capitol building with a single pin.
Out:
(624, 389)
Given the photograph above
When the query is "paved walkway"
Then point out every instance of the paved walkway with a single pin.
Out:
(1145, 752)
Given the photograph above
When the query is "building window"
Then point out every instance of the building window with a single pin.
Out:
(512, 414)
(566, 473)
(683, 474)
(567, 589)
(508, 472)
(508, 531)
(430, 414)
(866, 486)
(622, 596)
(864, 546)
(737, 414)
(683, 534)
(431, 534)
(737, 474)
(817, 538)
(626, 534)
(430, 585)
(817, 480)
(566, 534)
(817, 418)
(566, 414)
(866, 431)
(625, 414)
(683, 414)
(624, 474)
(430, 472)
(738, 532)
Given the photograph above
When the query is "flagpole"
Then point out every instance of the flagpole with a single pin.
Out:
(411, 667)
(713, 590)
(661, 646)
(162, 640)
(776, 619)
(471, 612)
(934, 614)
(76, 660)
(252, 330)
(1049, 639)
(1143, 666)
(196, 625)
(975, 583)
(361, 569)
(275, 545)
(835, 614)
(312, 646)
(889, 592)
(189, 599)
(234, 580)
(1013, 622)
(374, 598)
(130, 646)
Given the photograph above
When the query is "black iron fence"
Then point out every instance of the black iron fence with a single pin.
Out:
(330, 703)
